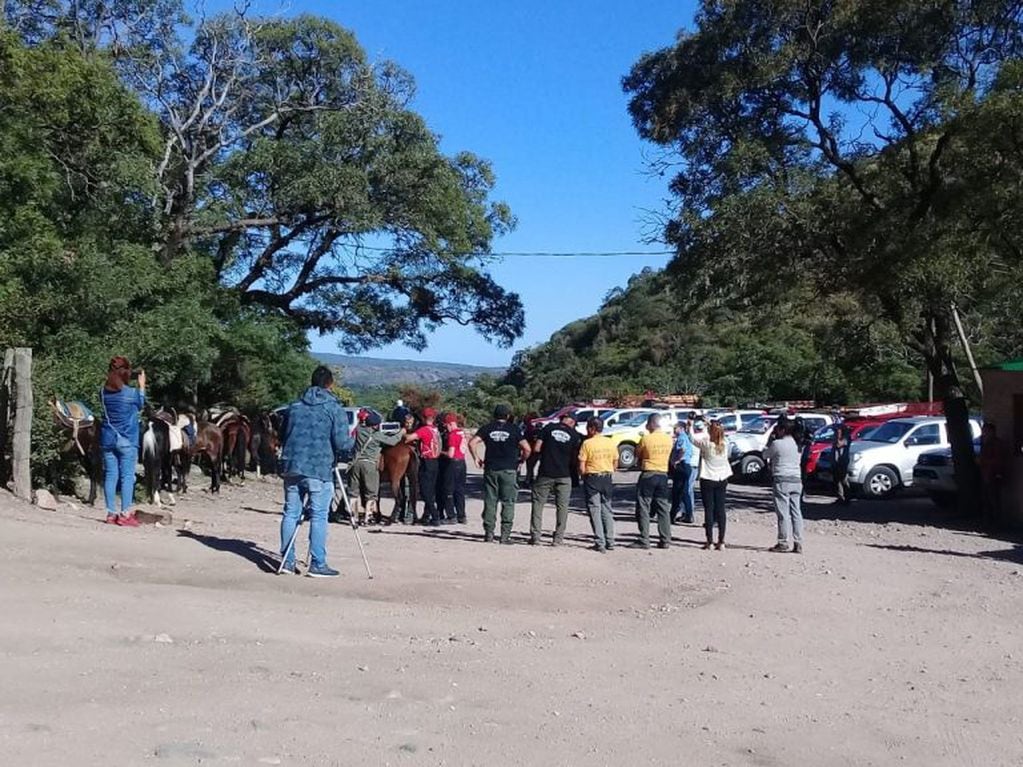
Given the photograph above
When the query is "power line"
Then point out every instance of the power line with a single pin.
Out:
(544, 254)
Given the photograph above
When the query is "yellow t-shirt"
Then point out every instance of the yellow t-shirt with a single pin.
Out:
(654, 451)
(599, 455)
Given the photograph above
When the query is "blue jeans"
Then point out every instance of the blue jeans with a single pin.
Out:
(683, 491)
(119, 468)
(298, 491)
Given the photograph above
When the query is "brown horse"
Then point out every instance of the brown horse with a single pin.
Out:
(264, 445)
(81, 431)
(209, 442)
(237, 434)
(398, 463)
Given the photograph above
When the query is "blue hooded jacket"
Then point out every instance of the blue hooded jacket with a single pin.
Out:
(315, 435)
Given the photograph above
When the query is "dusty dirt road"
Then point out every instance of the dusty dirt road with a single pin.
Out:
(891, 641)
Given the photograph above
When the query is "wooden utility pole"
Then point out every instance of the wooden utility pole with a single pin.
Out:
(966, 347)
(16, 429)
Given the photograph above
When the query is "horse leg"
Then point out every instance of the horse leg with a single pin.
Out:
(215, 462)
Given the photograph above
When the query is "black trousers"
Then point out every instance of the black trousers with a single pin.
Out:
(428, 468)
(713, 494)
(454, 489)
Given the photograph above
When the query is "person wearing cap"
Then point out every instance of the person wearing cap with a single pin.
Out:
(653, 454)
(556, 446)
(364, 474)
(454, 472)
(598, 459)
(428, 438)
(505, 449)
(119, 439)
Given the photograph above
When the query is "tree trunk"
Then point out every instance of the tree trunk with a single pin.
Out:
(957, 418)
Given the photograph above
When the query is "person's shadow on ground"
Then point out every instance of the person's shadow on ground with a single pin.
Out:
(250, 550)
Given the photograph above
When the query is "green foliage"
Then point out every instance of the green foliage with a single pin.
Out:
(639, 340)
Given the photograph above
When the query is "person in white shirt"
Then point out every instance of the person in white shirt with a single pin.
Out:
(715, 471)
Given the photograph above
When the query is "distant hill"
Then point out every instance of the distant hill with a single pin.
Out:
(374, 371)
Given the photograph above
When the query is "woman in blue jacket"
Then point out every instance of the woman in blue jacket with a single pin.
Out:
(119, 439)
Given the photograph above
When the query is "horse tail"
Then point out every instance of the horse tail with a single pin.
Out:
(151, 463)
(240, 451)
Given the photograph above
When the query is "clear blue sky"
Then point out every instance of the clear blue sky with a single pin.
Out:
(535, 88)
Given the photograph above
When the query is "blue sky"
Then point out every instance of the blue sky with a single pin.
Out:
(535, 88)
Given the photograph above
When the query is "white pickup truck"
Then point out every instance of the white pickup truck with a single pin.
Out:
(746, 446)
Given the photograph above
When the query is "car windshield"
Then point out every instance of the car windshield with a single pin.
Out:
(760, 425)
(866, 431)
(635, 419)
(889, 433)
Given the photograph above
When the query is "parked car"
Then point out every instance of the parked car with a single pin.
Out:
(935, 475)
(824, 437)
(630, 417)
(732, 420)
(884, 463)
(626, 437)
(746, 446)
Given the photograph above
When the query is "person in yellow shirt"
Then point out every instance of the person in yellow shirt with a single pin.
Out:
(598, 459)
(652, 489)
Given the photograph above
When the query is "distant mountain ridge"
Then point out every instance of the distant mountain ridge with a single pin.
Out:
(379, 371)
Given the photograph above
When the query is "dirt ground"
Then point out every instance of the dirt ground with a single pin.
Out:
(895, 639)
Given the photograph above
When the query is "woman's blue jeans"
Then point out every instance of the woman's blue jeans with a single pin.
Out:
(119, 470)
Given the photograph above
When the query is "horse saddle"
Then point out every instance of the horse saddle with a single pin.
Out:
(72, 415)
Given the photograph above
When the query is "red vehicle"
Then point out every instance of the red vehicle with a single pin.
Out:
(861, 418)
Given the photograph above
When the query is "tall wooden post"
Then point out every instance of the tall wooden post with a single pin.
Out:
(21, 444)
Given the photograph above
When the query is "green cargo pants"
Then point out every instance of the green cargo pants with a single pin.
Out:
(542, 486)
(499, 485)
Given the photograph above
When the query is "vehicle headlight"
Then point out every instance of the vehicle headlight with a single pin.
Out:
(857, 457)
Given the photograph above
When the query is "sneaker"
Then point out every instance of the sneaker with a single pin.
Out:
(321, 571)
(639, 545)
(706, 546)
(127, 520)
(797, 548)
(663, 545)
(288, 569)
(780, 548)
(720, 545)
(534, 541)
(462, 520)
(506, 540)
(557, 542)
(488, 537)
(598, 547)
(111, 519)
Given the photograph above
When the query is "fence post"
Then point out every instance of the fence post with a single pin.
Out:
(21, 444)
(6, 414)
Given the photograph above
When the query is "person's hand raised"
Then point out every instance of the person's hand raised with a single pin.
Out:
(142, 380)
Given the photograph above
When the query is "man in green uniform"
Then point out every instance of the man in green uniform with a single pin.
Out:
(364, 474)
(505, 450)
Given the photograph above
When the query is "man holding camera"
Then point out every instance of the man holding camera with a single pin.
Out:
(315, 437)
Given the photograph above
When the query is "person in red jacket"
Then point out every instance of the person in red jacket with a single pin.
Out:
(454, 477)
(428, 438)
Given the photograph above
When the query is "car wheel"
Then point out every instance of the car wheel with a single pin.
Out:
(626, 457)
(880, 482)
(943, 500)
(752, 467)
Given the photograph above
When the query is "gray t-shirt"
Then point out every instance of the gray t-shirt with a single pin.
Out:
(783, 455)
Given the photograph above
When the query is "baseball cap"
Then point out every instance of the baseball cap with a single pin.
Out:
(372, 419)
(502, 411)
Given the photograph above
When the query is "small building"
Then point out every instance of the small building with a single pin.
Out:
(1003, 406)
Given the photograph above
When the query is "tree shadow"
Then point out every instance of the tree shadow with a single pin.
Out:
(904, 510)
(1014, 554)
(265, 560)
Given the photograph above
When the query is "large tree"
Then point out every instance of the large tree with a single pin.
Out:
(295, 165)
(833, 140)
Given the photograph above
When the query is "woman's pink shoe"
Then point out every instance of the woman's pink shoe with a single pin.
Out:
(127, 520)
(111, 519)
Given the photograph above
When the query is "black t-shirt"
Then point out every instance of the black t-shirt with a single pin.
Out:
(502, 440)
(560, 446)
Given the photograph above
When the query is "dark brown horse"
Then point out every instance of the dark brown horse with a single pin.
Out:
(81, 432)
(237, 433)
(264, 445)
(209, 442)
(398, 463)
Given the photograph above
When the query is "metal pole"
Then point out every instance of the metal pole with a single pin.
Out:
(966, 347)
